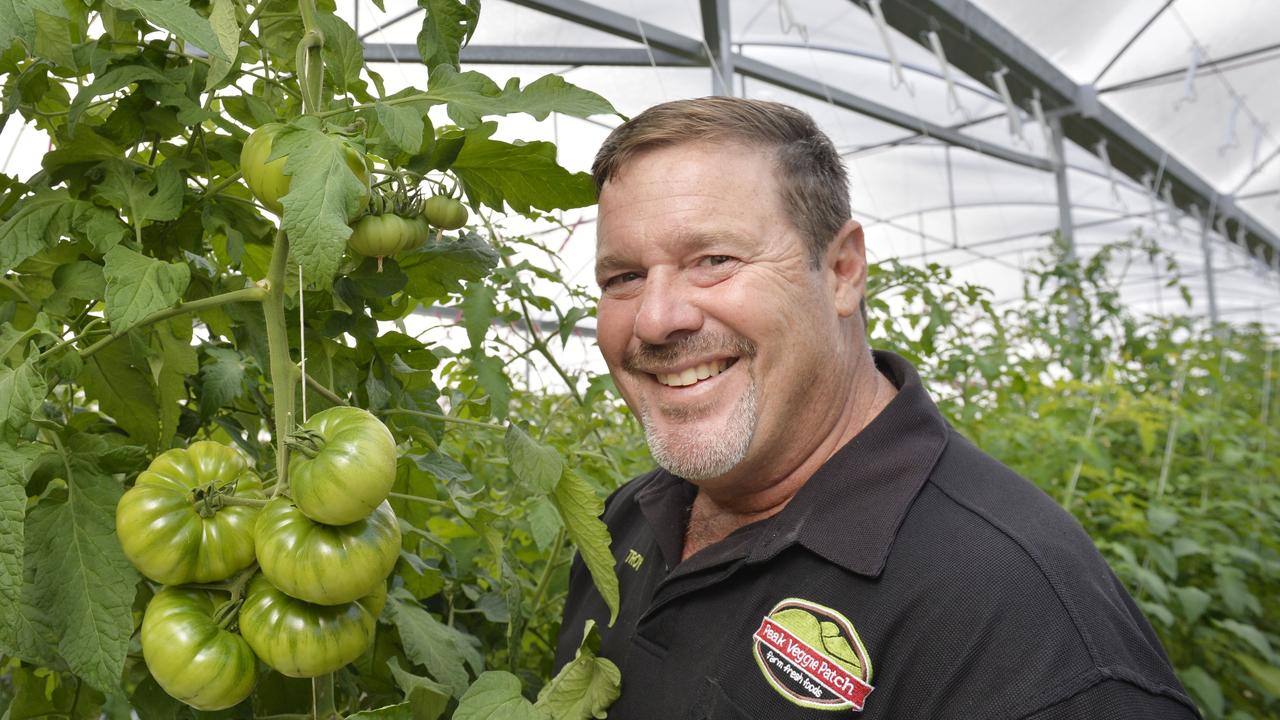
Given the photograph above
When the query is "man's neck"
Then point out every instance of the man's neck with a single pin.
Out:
(712, 518)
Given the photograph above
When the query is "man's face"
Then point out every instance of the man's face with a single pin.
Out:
(717, 330)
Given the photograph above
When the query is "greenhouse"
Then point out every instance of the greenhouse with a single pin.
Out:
(312, 347)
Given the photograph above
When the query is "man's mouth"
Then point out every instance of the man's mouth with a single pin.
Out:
(691, 375)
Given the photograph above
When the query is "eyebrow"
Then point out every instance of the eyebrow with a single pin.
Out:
(687, 242)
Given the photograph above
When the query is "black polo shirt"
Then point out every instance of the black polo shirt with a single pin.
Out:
(913, 576)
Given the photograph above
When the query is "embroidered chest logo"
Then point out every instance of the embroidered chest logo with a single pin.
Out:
(813, 657)
(634, 559)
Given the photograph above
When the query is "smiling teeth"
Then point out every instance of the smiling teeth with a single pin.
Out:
(693, 374)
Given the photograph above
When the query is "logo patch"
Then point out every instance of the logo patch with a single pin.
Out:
(813, 657)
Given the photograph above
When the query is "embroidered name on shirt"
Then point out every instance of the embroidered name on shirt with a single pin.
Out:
(634, 559)
(813, 657)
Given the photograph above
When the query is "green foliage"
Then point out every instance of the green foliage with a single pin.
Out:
(147, 302)
(1158, 433)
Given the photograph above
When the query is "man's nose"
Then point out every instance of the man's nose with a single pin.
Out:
(667, 310)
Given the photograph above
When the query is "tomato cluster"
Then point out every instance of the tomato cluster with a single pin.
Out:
(323, 551)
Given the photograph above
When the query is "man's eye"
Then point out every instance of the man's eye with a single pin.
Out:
(714, 260)
(620, 279)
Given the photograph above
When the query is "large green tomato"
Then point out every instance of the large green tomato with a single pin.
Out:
(387, 234)
(326, 564)
(342, 465)
(160, 524)
(193, 659)
(268, 181)
(300, 639)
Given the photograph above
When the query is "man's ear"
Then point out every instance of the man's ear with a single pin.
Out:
(846, 267)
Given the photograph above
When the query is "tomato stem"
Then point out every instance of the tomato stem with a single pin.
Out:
(282, 366)
(246, 502)
(249, 294)
(419, 499)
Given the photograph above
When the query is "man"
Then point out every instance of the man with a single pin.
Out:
(818, 538)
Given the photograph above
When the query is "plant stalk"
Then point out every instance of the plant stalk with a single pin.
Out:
(282, 365)
(249, 294)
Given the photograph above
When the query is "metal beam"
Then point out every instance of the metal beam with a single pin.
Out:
(633, 28)
(1084, 120)
(715, 30)
(804, 85)
(615, 23)
(535, 55)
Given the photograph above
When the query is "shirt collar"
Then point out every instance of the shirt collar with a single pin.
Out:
(849, 512)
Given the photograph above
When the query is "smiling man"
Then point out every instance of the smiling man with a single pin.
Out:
(817, 538)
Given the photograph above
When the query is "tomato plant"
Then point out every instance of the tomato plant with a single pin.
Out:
(185, 336)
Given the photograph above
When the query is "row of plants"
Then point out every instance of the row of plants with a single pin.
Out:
(1160, 433)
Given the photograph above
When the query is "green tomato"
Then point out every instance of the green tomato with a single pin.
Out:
(193, 659)
(445, 212)
(326, 564)
(268, 180)
(160, 526)
(301, 639)
(342, 465)
(387, 234)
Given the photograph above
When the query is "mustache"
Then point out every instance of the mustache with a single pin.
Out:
(647, 355)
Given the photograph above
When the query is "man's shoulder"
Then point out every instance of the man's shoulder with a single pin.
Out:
(1029, 558)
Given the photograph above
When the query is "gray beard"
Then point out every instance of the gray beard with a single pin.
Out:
(696, 458)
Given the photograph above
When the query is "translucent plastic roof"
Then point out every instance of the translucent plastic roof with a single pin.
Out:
(1194, 77)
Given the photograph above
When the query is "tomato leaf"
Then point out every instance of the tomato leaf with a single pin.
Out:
(222, 20)
(138, 286)
(427, 698)
(18, 20)
(581, 508)
(143, 199)
(478, 311)
(1266, 673)
(342, 54)
(446, 26)
(323, 194)
(15, 464)
(38, 223)
(496, 695)
(172, 362)
(470, 96)
(82, 577)
(124, 390)
(222, 380)
(444, 651)
(177, 17)
(109, 82)
(402, 126)
(54, 39)
(22, 392)
(538, 466)
(524, 175)
(438, 269)
(586, 686)
(1204, 689)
